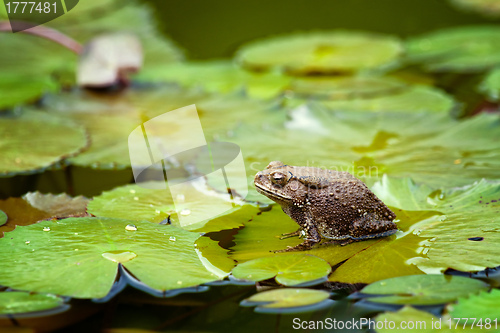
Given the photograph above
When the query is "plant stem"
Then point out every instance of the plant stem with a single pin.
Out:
(47, 33)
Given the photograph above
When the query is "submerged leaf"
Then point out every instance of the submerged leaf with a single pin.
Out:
(79, 257)
(35, 141)
(485, 306)
(17, 302)
(289, 269)
(457, 49)
(3, 218)
(60, 205)
(285, 298)
(321, 52)
(421, 289)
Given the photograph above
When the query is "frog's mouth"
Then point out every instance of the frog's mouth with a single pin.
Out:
(273, 195)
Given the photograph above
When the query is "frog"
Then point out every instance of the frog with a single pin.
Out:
(329, 206)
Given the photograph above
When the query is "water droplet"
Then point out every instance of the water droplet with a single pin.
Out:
(119, 256)
(76, 233)
(383, 283)
(27, 242)
(76, 249)
(179, 282)
(172, 238)
(46, 229)
(181, 197)
(136, 198)
(185, 212)
(132, 191)
(157, 211)
(131, 227)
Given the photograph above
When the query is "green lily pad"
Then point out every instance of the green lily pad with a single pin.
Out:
(35, 141)
(422, 289)
(285, 298)
(429, 100)
(18, 89)
(191, 210)
(17, 302)
(321, 52)
(484, 306)
(464, 236)
(490, 86)
(218, 76)
(461, 49)
(3, 218)
(289, 269)
(490, 8)
(214, 257)
(109, 141)
(79, 257)
(345, 87)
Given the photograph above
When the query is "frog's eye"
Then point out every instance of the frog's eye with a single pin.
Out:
(278, 178)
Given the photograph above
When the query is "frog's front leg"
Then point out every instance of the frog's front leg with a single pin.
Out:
(312, 237)
(292, 234)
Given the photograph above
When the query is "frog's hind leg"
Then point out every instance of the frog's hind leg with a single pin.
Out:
(292, 234)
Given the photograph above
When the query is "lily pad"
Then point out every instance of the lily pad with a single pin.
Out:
(18, 302)
(34, 141)
(18, 89)
(489, 8)
(289, 269)
(485, 306)
(421, 289)
(462, 49)
(79, 257)
(345, 87)
(491, 85)
(429, 100)
(454, 239)
(218, 76)
(191, 210)
(321, 52)
(286, 298)
(19, 212)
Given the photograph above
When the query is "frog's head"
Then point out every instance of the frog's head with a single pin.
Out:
(277, 183)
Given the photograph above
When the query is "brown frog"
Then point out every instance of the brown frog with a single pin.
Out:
(325, 203)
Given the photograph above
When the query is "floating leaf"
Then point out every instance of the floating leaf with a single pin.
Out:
(464, 236)
(19, 212)
(17, 302)
(489, 8)
(218, 76)
(321, 52)
(289, 269)
(345, 87)
(462, 49)
(491, 85)
(18, 88)
(421, 289)
(214, 257)
(484, 306)
(78, 257)
(287, 298)
(34, 141)
(429, 100)
(197, 205)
